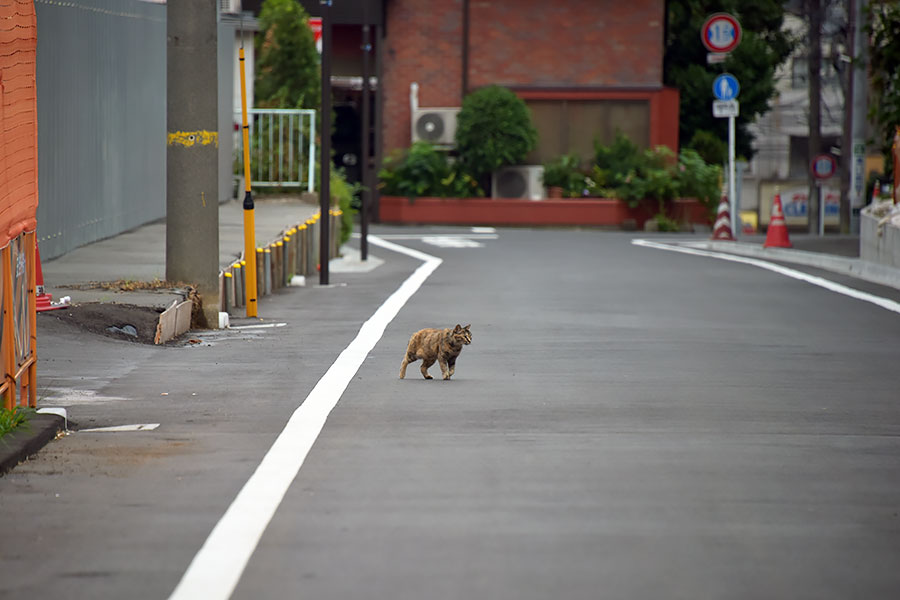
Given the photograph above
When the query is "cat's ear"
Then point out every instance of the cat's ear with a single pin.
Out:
(467, 326)
(457, 328)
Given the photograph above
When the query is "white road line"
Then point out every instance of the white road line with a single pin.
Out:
(116, 428)
(419, 236)
(216, 569)
(261, 326)
(819, 281)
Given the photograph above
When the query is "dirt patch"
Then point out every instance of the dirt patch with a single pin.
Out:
(120, 321)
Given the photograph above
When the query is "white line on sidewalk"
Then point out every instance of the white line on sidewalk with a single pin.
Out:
(216, 569)
(819, 281)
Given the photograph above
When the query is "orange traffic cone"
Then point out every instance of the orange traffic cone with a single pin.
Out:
(777, 235)
(722, 228)
(42, 299)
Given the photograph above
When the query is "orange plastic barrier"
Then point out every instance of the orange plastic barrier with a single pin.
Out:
(18, 201)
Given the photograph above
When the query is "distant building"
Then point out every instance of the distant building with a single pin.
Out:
(586, 68)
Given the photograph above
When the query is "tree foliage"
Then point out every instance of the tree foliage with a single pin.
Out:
(764, 46)
(493, 129)
(287, 64)
(884, 56)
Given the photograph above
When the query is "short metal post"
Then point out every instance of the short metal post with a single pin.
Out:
(260, 272)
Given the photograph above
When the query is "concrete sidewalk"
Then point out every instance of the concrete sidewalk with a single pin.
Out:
(835, 253)
(140, 254)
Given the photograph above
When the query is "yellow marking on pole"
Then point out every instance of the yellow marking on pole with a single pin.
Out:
(193, 138)
(203, 198)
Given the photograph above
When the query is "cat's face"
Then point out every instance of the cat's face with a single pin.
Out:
(462, 335)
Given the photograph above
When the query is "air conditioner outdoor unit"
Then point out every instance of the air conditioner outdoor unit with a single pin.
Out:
(525, 181)
(435, 125)
(229, 7)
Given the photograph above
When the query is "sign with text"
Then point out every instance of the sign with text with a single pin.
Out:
(725, 108)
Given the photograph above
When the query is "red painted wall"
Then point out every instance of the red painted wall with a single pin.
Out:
(570, 44)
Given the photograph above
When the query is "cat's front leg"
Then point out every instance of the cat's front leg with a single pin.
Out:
(445, 370)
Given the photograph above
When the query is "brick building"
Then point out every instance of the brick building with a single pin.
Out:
(586, 68)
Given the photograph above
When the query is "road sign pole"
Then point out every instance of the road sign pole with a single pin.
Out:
(821, 209)
(732, 196)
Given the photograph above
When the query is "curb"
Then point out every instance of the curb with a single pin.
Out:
(28, 439)
(854, 267)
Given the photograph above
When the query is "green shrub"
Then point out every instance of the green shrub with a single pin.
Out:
(654, 175)
(565, 172)
(710, 146)
(493, 129)
(343, 191)
(699, 179)
(423, 170)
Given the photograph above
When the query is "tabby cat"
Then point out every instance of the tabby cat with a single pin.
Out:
(441, 345)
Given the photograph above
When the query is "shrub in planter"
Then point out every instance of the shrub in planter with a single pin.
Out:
(564, 172)
(423, 170)
(654, 174)
(699, 179)
(493, 129)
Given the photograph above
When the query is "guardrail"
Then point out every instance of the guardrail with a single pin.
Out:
(18, 324)
(294, 252)
(282, 147)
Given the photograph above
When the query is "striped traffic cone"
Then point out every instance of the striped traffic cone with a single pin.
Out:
(722, 228)
(777, 235)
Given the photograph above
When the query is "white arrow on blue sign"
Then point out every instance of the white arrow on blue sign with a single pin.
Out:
(726, 87)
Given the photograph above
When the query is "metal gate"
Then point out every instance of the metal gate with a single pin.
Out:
(282, 147)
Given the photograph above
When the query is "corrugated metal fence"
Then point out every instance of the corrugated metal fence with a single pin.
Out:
(101, 95)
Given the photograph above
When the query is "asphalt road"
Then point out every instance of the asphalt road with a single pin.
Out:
(628, 423)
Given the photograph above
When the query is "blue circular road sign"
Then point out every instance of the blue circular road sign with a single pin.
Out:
(726, 87)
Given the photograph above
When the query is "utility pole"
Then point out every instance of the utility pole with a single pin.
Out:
(192, 154)
(325, 158)
(365, 194)
(847, 157)
(814, 65)
(859, 72)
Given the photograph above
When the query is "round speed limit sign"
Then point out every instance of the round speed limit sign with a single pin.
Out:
(721, 33)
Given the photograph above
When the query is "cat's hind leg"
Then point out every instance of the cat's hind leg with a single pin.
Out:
(406, 360)
(426, 362)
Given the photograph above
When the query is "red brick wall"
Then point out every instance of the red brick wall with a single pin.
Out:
(566, 43)
(517, 43)
(423, 44)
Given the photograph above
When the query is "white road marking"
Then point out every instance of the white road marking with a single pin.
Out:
(73, 397)
(261, 326)
(419, 236)
(819, 281)
(216, 569)
(483, 230)
(117, 428)
(451, 242)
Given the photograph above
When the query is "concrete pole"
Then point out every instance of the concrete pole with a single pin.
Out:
(860, 100)
(325, 159)
(815, 103)
(192, 156)
(366, 181)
